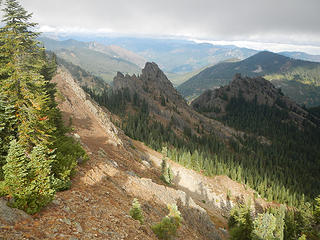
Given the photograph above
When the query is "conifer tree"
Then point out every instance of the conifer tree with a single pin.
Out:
(16, 173)
(136, 212)
(317, 210)
(21, 78)
(264, 226)
(28, 179)
(7, 127)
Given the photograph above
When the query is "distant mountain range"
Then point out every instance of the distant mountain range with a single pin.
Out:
(302, 56)
(103, 61)
(299, 79)
(173, 55)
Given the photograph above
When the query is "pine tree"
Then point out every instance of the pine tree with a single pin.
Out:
(136, 212)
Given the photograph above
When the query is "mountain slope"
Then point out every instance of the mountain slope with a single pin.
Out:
(256, 107)
(120, 169)
(165, 104)
(272, 66)
(102, 61)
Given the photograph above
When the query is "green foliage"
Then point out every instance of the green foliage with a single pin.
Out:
(274, 171)
(68, 153)
(35, 157)
(303, 237)
(264, 226)
(136, 212)
(317, 210)
(7, 129)
(240, 223)
(166, 171)
(167, 228)
(28, 178)
(274, 224)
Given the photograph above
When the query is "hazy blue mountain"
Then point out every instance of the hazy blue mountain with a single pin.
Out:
(302, 56)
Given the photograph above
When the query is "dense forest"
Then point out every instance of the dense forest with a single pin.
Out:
(285, 171)
(36, 158)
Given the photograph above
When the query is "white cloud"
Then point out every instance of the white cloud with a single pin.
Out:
(53, 29)
(270, 23)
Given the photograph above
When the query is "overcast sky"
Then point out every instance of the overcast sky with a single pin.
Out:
(293, 24)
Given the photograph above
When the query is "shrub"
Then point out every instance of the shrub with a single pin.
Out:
(136, 212)
(68, 152)
(167, 228)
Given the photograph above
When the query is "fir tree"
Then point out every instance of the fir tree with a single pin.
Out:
(263, 227)
(21, 79)
(28, 179)
(16, 171)
(136, 212)
(317, 210)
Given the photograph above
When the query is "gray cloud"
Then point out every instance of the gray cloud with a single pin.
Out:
(295, 21)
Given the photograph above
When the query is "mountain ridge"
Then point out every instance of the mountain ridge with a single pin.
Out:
(270, 65)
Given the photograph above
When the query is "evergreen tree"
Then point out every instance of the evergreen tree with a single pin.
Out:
(263, 227)
(7, 127)
(21, 80)
(136, 212)
(317, 210)
(240, 223)
(16, 174)
(28, 179)
(167, 228)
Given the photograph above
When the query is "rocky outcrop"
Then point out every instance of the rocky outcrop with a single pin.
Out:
(81, 98)
(166, 105)
(213, 103)
(10, 216)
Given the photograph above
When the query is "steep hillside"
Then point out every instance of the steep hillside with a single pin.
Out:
(255, 106)
(84, 78)
(272, 66)
(165, 104)
(102, 61)
(97, 206)
(149, 109)
(120, 169)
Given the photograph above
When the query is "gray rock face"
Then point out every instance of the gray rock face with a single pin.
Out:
(11, 216)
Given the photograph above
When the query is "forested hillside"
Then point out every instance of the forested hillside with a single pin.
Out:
(276, 164)
(36, 158)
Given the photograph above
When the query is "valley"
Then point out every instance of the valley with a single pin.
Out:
(113, 135)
